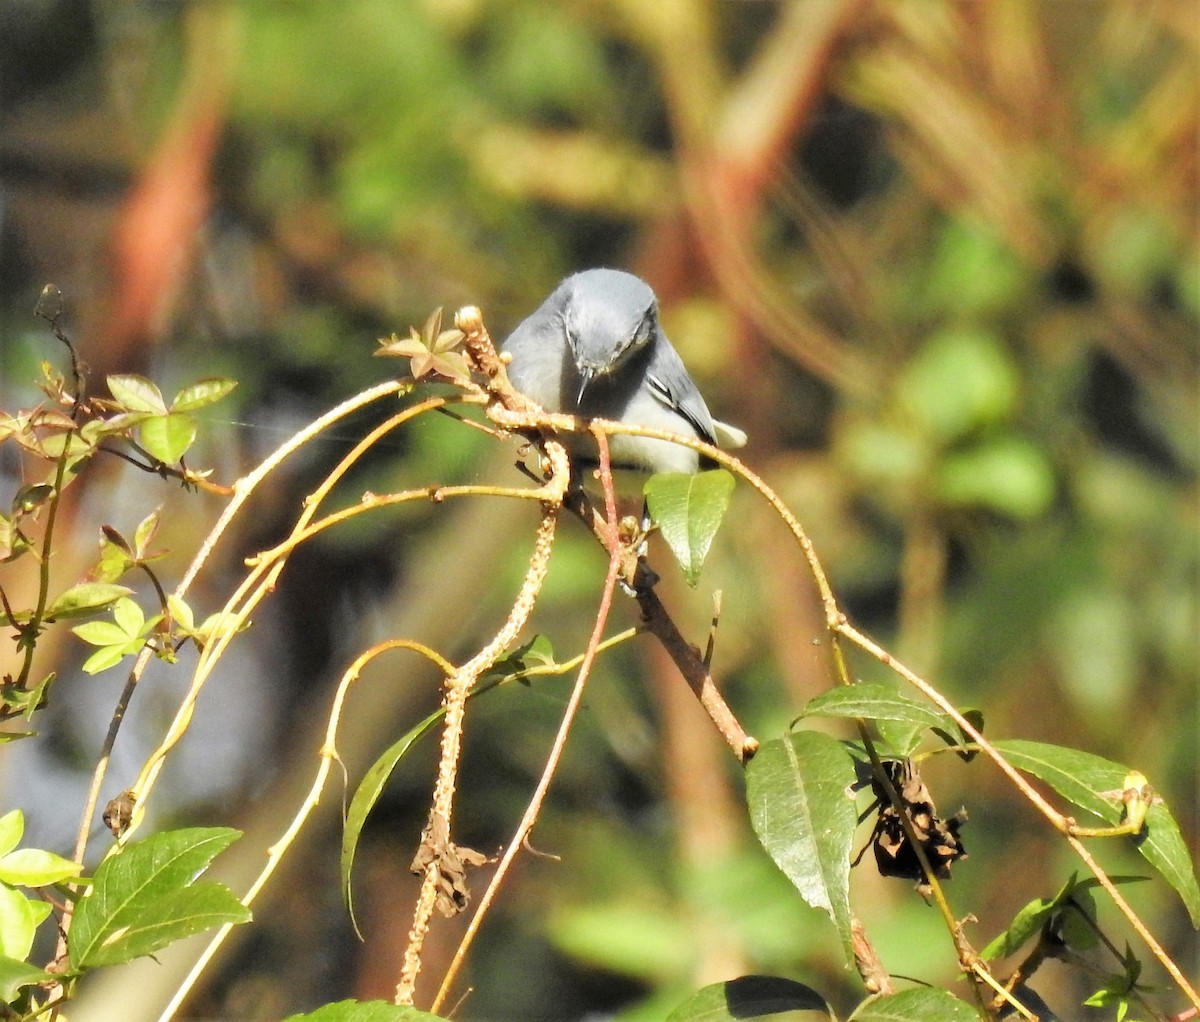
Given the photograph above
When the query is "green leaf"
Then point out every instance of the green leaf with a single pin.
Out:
(129, 617)
(15, 974)
(181, 613)
(18, 921)
(168, 437)
(365, 797)
(101, 633)
(32, 867)
(749, 997)
(12, 827)
(925, 1005)
(960, 380)
(871, 700)
(106, 657)
(1032, 917)
(536, 653)
(688, 509)
(30, 497)
(1006, 474)
(147, 896)
(146, 531)
(205, 392)
(83, 599)
(137, 394)
(634, 936)
(796, 788)
(364, 1011)
(1095, 784)
(70, 445)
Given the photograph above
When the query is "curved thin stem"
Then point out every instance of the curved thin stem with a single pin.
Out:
(534, 808)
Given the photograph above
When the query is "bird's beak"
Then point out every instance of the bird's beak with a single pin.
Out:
(585, 377)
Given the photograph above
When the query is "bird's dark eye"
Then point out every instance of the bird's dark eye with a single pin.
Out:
(645, 327)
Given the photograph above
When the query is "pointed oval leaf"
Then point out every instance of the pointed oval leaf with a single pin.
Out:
(796, 788)
(168, 437)
(925, 1005)
(85, 598)
(873, 701)
(147, 896)
(137, 394)
(688, 510)
(749, 997)
(128, 616)
(101, 633)
(33, 867)
(365, 797)
(107, 656)
(365, 1011)
(30, 497)
(1094, 784)
(15, 974)
(1030, 918)
(17, 924)
(401, 347)
(205, 392)
(146, 531)
(12, 827)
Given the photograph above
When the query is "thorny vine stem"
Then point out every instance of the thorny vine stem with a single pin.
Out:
(560, 739)
(458, 685)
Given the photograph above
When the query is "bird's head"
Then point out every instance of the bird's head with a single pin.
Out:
(608, 316)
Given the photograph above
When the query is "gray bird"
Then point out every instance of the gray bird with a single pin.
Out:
(594, 348)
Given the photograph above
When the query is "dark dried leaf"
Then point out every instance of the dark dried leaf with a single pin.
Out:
(894, 853)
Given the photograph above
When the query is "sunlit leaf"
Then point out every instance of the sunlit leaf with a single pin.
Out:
(168, 437)
(401, 347)
(873, 701)
(796, 788)
(12, 827)
(137, 394)
(15, 974)
(106, 657)
(85, 598)
(750, 997)
(365, 1011)
(688, 510)
(33, 867)
(147, 897)
(924, 1005)
(146, 531)
(18, 921)
(1095, 784)
(101, 633)
(367, 794)
(205, 392)
(447, 340)
(1028, 922)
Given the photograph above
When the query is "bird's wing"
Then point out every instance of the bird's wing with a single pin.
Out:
(669, 381)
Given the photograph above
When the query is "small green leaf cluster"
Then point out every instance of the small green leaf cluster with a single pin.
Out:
(137, 425)
(20, 914)
(144, 896)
